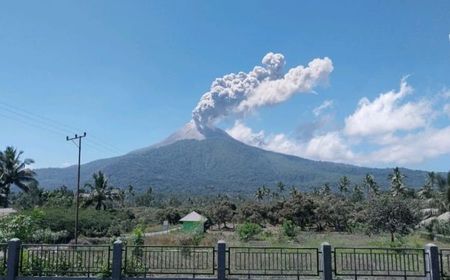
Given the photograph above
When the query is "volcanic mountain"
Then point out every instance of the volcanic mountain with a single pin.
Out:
(208, 160)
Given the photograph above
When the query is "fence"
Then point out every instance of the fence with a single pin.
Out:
(58, 262)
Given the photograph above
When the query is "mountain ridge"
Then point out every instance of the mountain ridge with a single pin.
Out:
(194, 160)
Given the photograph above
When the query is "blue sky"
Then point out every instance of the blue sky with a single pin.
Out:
(130, 73)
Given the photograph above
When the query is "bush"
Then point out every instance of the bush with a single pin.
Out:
(289, 228)
(92, 223)
(16, 226)
(248, 230)
(50, 237)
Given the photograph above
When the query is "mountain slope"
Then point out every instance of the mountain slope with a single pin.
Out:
(210, 161)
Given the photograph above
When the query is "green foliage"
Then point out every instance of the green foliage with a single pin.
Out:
(14, 171)
(170, 214)
(247, 231)
(391, 214)
(145, 199)
(47, 236)
(289, 228)
(92, 223)
(222, 212)
(101, 195)
(16, 226)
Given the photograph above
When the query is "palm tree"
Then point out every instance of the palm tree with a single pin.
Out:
(280, 187)
(101, 195)
(371, 185)
(259, 195)
(431, 179)
(344, 184)
(397, 185)
(14, 171)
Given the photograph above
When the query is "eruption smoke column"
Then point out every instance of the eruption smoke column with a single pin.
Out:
(264, 85)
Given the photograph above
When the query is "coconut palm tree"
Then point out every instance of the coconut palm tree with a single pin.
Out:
(371, 185)
(259, 195)
(101, 195)
(397, 185)
(14, 171)
(344, 184)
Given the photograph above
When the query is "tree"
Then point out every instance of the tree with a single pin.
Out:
(299, 209)
(325, 189)
(101, 195)
(14, 171)
(371, 185)
(442, 182)
(223, 212)
(428, 188)
(391, 214)
(281, 187)
(397, 185)
(357, 194)
(431, 180)
(145, 199)
(259, 195)
(344, 184)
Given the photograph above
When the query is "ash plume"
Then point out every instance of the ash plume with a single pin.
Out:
(269, 84)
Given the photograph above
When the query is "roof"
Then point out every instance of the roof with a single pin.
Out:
(193, 217)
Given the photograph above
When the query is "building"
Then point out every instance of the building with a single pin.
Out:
(193, 222)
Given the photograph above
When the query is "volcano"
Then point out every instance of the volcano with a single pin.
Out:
(208, 160)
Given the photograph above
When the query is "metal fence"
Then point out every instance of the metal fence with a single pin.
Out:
(51, 262)
(444, 256)
(273, 261)
(144, 261)
(64, 260)
(3, 258)
(385, 262)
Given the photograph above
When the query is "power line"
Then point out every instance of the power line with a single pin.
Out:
(54, 126)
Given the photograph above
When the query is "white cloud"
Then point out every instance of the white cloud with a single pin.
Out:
(245, 134)
(413, 148)
(386, 114)
(378, 120)
(322, 107)
(329, 146)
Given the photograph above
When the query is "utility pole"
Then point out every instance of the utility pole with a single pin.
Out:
(78, 180)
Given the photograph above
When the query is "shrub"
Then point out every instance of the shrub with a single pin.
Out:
(16, 226)
(248, 230)
(50, 237)
(289, 228)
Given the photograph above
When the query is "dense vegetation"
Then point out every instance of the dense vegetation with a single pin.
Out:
(108, 211)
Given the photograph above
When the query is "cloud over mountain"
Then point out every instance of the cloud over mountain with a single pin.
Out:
(390, 130)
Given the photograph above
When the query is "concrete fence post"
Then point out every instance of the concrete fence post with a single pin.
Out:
(13, 259)
(221, 259)
(432, 261)
(117, 261)
(326, 261)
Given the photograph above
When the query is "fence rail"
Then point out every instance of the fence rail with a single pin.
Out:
(146, 261)
(273, 261)
(117, 262)
(379, 262)
(444, 256)
(64, 260)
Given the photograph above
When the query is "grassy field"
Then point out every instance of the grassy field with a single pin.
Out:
(274, 237)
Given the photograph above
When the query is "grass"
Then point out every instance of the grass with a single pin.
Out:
(272, 236)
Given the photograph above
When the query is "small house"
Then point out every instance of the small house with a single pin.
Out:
(193, 222)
